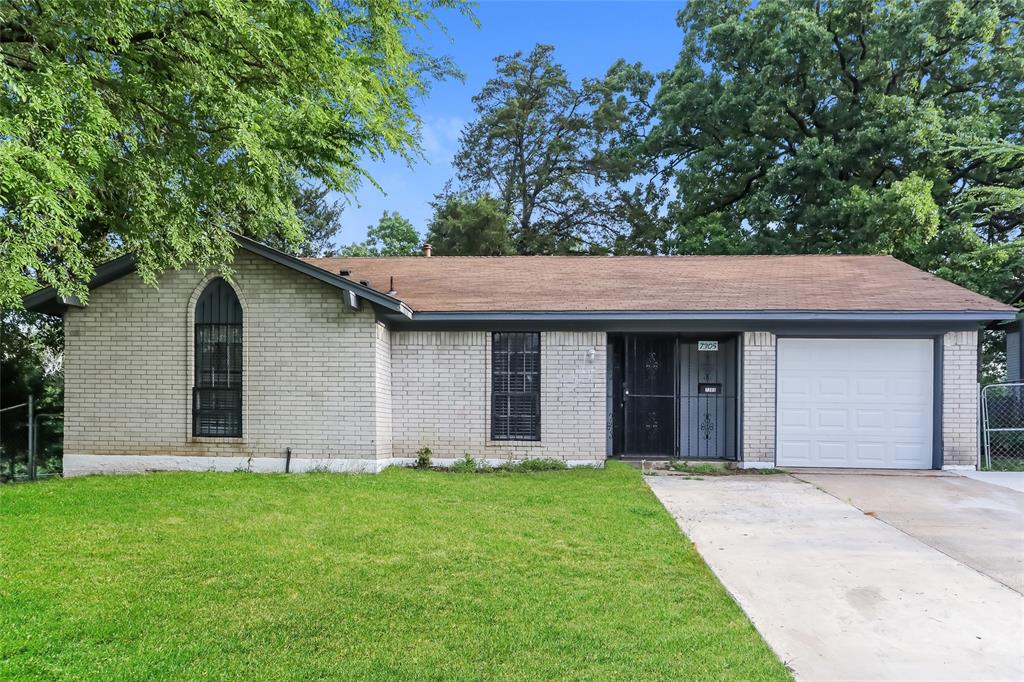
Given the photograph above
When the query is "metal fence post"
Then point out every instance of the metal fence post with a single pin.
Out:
(31, 440)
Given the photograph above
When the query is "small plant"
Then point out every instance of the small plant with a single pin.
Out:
(423, 458)
(466, 465)
(540, 464)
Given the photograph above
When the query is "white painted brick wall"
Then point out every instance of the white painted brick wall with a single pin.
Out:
(960, 399)
(382, 395)
(309, 369)
(441, 394)
(758, 397)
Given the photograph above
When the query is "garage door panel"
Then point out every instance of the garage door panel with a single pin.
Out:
(870, 387)
(913, 420)
(795, 418)
(829, 451)
(870, 453)
(855, 402)
(795, 386)
(869, 419)
(832, 419)
(833, 387)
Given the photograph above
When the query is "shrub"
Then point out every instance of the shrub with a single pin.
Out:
(423, 458)
(465, 465)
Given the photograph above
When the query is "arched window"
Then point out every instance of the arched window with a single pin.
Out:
(217, 393)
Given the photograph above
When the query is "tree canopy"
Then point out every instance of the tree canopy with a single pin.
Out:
(462, 226)
(155, 128)
(393, 235)
(537, 146)
(846, 126)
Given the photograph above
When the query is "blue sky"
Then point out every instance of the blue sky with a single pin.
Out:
(588, 37)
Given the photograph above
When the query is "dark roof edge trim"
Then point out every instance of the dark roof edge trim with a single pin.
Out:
(281, 258)
(48, 301)
(721, 315)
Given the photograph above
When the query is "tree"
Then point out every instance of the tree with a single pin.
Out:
(393, 235)
(30, 352)
(825, 126)
(535, 145)
(156, 127)
(462, 226)
(321, 222)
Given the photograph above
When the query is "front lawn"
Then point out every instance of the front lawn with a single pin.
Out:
(403, 575)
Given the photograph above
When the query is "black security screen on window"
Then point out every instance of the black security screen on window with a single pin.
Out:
(515, 386)
(217, 392)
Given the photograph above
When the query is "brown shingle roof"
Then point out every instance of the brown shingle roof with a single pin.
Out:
(646, 283)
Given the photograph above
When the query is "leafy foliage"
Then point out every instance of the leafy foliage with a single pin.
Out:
(817, 127)
(470, 227)
(155, 128)
(537, 146)
(321, 222)
(30, 347)
(393, 235)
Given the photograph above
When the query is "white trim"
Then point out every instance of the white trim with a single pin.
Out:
(756, 465)
(959, 467)
(493, 461)
(83, 465)
(80, 465)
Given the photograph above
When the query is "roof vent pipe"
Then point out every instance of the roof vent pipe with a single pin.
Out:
(428, 250)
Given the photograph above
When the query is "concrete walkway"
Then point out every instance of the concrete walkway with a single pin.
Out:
(977, 524)
(840, 594)
(1014, 480)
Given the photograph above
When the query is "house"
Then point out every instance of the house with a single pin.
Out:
(354, 364)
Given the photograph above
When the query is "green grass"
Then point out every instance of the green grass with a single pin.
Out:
(407, 575)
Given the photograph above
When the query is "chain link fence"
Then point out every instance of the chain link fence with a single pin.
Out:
(30, 443)
(1002, 426)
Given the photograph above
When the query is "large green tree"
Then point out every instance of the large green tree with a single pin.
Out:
(321, 222)
(537, 145)
(846, 125)
(155, 127)
(464, 226)
(393, 235)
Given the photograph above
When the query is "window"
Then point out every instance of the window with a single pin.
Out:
(515, 386)
(217, 392)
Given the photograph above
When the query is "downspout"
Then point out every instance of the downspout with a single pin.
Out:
(287, 460)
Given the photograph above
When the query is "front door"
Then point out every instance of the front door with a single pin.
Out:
(649, 396)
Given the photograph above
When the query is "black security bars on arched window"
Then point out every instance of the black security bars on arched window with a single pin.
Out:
(217, 393)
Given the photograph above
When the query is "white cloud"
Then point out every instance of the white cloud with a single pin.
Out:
(441, 137)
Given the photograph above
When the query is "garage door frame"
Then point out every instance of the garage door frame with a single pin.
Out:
(936, 340)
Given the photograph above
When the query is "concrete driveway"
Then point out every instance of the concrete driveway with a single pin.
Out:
(896, 589)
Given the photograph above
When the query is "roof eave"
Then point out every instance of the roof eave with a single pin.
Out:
(48, 301)
(372, 295)
(719, 315)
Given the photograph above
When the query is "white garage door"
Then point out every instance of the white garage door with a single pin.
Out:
(855, 403)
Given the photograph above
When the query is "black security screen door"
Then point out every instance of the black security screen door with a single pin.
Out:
(649, 396)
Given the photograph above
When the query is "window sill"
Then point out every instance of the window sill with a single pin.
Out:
(506, 443)
(216, 439)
